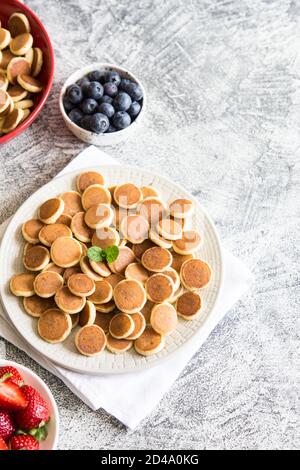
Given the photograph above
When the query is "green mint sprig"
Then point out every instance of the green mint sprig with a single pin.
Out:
(110, 254)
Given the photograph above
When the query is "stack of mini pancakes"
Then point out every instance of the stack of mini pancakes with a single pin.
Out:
(20, 64)
(135, 299)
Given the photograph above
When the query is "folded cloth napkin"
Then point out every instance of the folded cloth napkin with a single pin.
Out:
(131, 397)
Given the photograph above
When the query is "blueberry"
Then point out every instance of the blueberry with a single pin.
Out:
(99, 123)
(93, 90)
(134, 109)
(105, 99)
(74, 94)
(67, 104)
(83, 81)
(122, 101)
(107, 109)
(121, 120)
(111, 129)
(88, 106)
(124, 83)
(113, 77)
(75, 115)
(134, 91)
(85, 122)
(110, 89)
(95, 76)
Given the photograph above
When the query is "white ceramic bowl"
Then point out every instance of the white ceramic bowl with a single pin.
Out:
(101, 139)
(32, 379)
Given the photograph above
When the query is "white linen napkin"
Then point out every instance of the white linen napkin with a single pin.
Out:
(131, 397)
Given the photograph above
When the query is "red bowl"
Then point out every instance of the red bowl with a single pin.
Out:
(41, 40)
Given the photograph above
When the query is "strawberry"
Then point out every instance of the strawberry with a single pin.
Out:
(11, 396)
(15, 377)
(7, 428)
(24, 442)
(36, 414)
(3, 445)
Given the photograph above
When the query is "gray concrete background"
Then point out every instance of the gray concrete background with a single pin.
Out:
(223, 120)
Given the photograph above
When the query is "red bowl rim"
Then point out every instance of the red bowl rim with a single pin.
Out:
(39, 107)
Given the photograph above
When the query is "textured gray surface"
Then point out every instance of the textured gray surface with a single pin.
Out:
(223, 120)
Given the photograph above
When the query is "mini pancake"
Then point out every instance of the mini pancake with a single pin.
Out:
(178, 260)
(87, 269)
(159, 240)
(118, 346)
(128, 195)
(5, 102)
(35, 306)
(21, 44)
(174, 276)
(29, 56)
(95, 194)
(103, 292)
(103, 320)
(130, 296)
(26, 113)
(17, 93)
(69, 302)
(124, 258)
(31, 229)
(37, 62)
(70, 272)
(5, 38)
(88, 178)
(18, 24)
(90, 340)
(36, 258)
(188, 243)
(157, 259)
(181, 208)
(72, 201)
(135, 228)
(64, 219)
(176, 294)
(3, 82)
(136, 271)
(17, 66)
(81, 285)
(159, 288)
(195, 274)
(66, 252)
(169, 229)
(114, 279)
(149, 191)
(108, 307)
(81, 231)
(54, 268)
(163, 318)
(87, 315)
(140, 249)
(7, 113)
(121, 326)
(29, 83)
(54, 326)
(51, 210)
(24, 104)
(105, 237)
(47, 283)
(150, 342)
(74, 320)
(188, 305)
(27, 247)
(153, 209)
(21, 285)
(139, 325)
(49, 233)
(119, 214)
(98, 216)
(146, 310)
(100, 268)
(12, 120)
(7, 56)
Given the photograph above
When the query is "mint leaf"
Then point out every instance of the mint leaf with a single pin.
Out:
(96, 254)
(112, 253)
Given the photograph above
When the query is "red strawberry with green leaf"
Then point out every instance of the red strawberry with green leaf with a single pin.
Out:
(11, 395)
(7, 428)
(24, 442)
(15, 377)
(34, 417)
(3, 445)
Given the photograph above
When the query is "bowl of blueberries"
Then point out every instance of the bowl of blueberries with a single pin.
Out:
(102, 104)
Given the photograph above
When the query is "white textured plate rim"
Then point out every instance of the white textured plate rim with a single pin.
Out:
(105, 168)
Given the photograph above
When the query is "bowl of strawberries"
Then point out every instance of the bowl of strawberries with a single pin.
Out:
(28, 413)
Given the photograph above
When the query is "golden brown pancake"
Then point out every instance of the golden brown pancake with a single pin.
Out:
(181, 208)
(54, 326)
(37, 61)
(90, 340)
(5, 101)
(72, 200)
(159, 288)
(100, 268)
(21, 44)
(27, 247)
(128, 195)
(5, 38)
(4, 82)
(188, 305)
(70, 272)
(103, 292)
(178, 260)
(36, 306)
(81, 285)
(103, 320)
(140, 249)
(95, 194)
(12, 120)
(17, 93)
(169, 229)
(17, 66)
(81, 231)
(31, 229)
(195, 274)
(149, 342)
(157, 259)
(135, 228)
(146, 310)
(88, 178)
(188, 243)
(174, 276)
(108, 307)
(21, 285)
(65, 219)
(88, 270)
(54, 268)
(29, 83)
(7, 56)
(69, 302)
(47, 283)
(163, 318)
(139, 325)
(66, 252)
(159, 240)
(124, 258)
(49, 233)
(24, 104)
(104, 237)
(149, 191)
(136, 271)
(18, 24)
(51, 210)
(98, 216)
(129, 296)
(152, 209)
(87, 315)
(121, 326)
(36, 258)
(117, 346)
(114, 279)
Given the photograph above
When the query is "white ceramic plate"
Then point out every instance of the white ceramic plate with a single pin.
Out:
(32, 379)
(65, 354)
